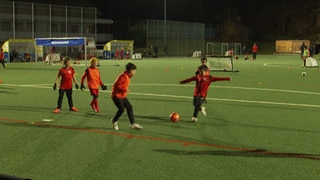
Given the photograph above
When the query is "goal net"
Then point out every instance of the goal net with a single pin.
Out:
(221, 63)
(52, 50)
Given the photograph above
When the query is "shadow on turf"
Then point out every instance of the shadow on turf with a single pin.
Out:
(27, 108)
(153, 117)
(6, 90)
(163, 100)
(160, 118)
(264, 126)
(257, 153)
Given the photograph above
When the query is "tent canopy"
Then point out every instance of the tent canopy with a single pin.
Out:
(63, 42)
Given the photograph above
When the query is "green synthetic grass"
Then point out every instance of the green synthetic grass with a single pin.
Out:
(264, 124)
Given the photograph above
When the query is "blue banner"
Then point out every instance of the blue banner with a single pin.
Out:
(59, 42)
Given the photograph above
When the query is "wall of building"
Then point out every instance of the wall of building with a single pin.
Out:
(27, 20)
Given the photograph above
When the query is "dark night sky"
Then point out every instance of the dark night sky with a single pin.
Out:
(263, 16)
(181, 10)
(187, 10)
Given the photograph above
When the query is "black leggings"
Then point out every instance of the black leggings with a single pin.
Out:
(69, 96)
(122, 104)
(2, 62)
(197, 102)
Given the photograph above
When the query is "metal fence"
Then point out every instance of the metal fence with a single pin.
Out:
(219, 49)
(172, 38)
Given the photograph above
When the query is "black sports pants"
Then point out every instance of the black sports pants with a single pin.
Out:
(122, 104)
(197, 102)
(69, 96)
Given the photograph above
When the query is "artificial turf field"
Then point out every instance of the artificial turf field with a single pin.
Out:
(264, 124)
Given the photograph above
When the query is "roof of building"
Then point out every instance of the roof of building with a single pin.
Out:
(79, 3)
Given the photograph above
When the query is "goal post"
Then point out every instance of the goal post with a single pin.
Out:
(221, 63)
(220, 48)
(80, 48)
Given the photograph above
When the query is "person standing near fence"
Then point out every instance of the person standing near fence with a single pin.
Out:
(2, 59)
(254, 51)
(306, 54)
(302, 47)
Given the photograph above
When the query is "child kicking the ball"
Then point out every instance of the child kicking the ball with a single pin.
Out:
(119, 96)
(203, 81)
(92, 74)
(67, 75)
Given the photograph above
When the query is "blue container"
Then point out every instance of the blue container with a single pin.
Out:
(106, 54)
(6, 56)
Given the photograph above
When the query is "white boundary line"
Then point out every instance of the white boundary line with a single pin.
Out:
(44, 86)
(281, 65)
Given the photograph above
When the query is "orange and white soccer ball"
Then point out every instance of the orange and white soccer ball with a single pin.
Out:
(174, 117)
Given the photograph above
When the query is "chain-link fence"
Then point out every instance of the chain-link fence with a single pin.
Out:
(172, 38)
(220, 49)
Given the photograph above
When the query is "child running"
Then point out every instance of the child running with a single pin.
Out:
(119, 96)
(67, 75)
(92, 74)
(203, 81)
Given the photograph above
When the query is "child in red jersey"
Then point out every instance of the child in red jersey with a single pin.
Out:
(203, 61)
(119, 96)
(203, 81)
(92, 74)
(117, 54)
(254, 51)
(67, 75)
(2, 58)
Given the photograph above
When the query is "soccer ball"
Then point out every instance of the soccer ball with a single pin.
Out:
(174, 117)
(303, 73)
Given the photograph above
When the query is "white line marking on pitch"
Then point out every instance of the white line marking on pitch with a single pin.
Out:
(189, 97)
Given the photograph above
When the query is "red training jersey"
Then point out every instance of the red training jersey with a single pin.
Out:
(203, 83)
(255, 48)
(1, 55)
(93, 78)
(121, 86)
(66, 74)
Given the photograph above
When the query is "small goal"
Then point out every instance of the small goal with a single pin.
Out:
(221, 63)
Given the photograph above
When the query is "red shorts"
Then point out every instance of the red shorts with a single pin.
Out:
(94, 92)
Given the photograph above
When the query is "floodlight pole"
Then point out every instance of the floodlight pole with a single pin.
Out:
(165, 23)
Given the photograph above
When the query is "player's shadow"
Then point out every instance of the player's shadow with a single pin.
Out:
(159, 118)
(257, 153)
(162, 100)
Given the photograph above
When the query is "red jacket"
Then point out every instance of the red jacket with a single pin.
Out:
(120, 87)
(203, 83)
